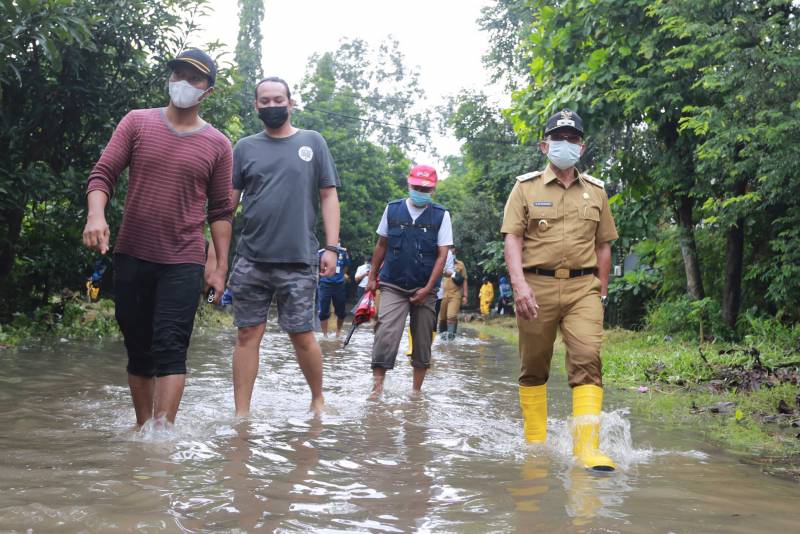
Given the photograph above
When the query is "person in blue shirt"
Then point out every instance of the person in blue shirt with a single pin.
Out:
(505, 303)
(333, 288)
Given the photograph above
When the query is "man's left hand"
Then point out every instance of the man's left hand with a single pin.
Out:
(327, 263)
(216, 279)
(419, 296)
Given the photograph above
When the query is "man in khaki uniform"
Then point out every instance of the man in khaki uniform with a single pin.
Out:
(454, 296)
(558, 227)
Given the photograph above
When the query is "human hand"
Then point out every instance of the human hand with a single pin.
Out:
(525, 302)
(372, 284)
(96, 233)
(327, 263)
(216, 279)
(419, 296)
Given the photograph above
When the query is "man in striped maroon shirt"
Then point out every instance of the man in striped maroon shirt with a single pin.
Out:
(177, 164)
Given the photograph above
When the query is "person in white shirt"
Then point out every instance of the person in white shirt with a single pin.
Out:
(414, 236)
(362, 277)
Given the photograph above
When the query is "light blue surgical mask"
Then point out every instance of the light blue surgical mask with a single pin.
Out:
(563, 154)
(418, 198)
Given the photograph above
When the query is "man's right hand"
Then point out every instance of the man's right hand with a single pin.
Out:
(96, 233)
(372, 284)
(525, 302)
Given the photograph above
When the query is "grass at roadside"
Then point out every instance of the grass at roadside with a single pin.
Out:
(74, 318)
(678, 383)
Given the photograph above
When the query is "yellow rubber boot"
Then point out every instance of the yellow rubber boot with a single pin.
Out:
(533, 401)
(586, 403)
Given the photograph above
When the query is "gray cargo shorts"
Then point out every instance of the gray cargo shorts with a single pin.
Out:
(294, 285)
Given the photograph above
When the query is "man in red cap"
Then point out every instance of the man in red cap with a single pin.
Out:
(414, 236)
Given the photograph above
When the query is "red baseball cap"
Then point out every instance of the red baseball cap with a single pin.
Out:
(423, 175)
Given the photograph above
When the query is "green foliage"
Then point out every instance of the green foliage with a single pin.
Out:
(63, 317)
(628, 297)
(362, 99)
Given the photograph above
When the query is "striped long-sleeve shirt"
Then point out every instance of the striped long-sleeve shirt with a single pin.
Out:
(171, 177)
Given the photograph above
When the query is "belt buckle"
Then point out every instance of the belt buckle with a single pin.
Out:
(562, 273)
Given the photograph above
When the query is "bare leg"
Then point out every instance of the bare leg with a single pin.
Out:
(168, 393)
(309, 357)
(142, 392)
(378, 376)
(419, 376)
(245, 366)
(339, 325)
(324, 325)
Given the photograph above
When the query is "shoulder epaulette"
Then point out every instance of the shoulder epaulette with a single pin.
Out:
(528, 176)
(434, 205)
(398, 200)
(592, 180)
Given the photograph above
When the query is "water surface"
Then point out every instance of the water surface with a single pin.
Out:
(450, 460)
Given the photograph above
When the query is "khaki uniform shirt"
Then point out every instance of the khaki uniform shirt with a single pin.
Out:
(559, 226)
(450, 287)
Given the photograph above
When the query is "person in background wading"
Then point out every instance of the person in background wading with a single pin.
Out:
(455, 295)
(414, 234)
(333, 289)
(175, 158)
(362, 277)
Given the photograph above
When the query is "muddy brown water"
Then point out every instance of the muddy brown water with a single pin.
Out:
(451, 460)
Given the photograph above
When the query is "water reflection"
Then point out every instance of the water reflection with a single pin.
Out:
(450, 460)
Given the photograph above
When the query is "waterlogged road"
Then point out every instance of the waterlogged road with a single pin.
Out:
(451, 460)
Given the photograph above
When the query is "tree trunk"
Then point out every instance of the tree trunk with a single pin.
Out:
(734, 259)
(691, 264)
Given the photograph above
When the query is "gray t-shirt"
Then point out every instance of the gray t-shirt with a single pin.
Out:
(280, 179)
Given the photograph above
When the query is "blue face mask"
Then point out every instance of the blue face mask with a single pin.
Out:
(563, 154)
(418, 198)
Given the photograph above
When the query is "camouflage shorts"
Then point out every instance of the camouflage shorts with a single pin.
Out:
(293, 285)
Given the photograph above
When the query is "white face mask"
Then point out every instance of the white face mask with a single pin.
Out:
(184, 95)
(563, 154)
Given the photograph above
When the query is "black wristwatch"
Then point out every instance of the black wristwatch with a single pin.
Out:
(334, 248)
(604, 300)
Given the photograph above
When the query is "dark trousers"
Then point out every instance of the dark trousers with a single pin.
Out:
(155, 308)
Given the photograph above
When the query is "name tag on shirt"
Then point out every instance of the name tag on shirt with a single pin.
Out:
(543, 204)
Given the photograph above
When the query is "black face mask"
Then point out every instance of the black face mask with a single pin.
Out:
(274, 117)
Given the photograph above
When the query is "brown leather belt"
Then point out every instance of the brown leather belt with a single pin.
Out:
(560, 273)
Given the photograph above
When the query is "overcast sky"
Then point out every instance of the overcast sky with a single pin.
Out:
(441, 37)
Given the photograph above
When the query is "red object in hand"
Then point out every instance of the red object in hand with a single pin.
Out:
(362, 313)
(365, 310)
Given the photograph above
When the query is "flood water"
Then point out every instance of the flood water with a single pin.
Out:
(450, 460)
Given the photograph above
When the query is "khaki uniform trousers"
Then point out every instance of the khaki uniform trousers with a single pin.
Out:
(574, 306)
(451, 305)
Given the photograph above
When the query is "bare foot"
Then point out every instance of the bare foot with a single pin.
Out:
(376, 393)
(317, 405)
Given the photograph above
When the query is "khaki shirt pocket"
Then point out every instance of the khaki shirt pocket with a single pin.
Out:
(542, 222)
(588, 219)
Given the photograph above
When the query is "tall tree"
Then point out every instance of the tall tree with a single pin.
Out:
(585, 55)
(248, 57)
(747, 55)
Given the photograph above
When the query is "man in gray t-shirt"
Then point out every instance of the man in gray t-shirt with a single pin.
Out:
(281, 180)
(281, 174)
